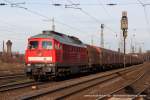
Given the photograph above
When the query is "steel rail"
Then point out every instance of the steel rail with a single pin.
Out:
(40, 93)
(140, 92)
(11, 76)
(117, 90)
(74, 92)
(11, 87)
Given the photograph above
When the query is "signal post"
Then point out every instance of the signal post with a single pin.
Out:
(124, 28)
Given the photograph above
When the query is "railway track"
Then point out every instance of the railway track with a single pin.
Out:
(14, 81)
(114, 92)
(117, 91)
(10, 87)
(7, 79)
(137, 96)
(11, 76)
(11, 72)
(64, 90)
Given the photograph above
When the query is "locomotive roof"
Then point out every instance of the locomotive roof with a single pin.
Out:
(65, 39)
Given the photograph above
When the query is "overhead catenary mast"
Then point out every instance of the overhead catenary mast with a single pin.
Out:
(102, 35)
(92, 43)
(3, 47)
(53, 24)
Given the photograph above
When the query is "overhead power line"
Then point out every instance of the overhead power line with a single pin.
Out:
(92, 17)
(70, 1)
(104, 7)
(88, 4)
(145, 13)
(140, 2)
(41, 15)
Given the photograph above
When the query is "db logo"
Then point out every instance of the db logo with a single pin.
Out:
(45, 59)
(39, 53)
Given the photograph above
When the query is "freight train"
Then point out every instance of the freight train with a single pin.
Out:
(53, 54)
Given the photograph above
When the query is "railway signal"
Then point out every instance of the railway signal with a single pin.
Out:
(124, 28)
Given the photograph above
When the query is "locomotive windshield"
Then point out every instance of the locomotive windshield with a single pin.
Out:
(46, 44)
(33, 45)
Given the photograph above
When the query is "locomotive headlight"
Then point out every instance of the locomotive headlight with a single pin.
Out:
(28, 65)
(50, 65)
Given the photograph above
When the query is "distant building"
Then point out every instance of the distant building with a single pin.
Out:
(9, 47)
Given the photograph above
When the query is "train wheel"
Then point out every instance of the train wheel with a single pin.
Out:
(36, 78)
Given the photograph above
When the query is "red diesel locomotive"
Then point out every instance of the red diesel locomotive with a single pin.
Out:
(53, 54)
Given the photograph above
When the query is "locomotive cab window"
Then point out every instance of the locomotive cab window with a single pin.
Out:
(47, 45)
(33, 45)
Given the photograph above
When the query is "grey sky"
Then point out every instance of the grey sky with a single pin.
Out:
(17, 24)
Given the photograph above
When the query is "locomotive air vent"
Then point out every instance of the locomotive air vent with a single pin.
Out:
(46, 32)
(75, 39)
(60, 34)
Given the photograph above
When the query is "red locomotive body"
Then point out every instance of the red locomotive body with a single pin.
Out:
(53, 54)
(38, 52)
